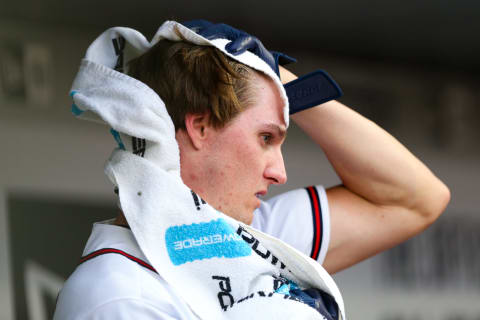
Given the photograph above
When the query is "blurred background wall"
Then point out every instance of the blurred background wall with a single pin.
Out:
(411, 67)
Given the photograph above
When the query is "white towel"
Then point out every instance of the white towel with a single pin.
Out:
(221, 267)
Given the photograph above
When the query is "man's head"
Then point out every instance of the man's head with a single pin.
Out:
(195, 79)
(228, 119)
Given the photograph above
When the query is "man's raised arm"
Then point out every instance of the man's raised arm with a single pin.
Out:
(387, 195)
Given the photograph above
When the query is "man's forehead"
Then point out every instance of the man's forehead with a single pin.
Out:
(264, 82)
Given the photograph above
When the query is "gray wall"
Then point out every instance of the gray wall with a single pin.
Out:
(52, 163)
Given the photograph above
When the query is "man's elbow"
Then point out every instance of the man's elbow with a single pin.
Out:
(434, 203)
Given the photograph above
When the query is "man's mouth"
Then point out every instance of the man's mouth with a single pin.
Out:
(261, 194)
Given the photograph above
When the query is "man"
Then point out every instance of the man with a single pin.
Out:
(229, 123)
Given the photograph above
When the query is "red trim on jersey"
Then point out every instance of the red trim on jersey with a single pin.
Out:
(99, 252)
(317, 221)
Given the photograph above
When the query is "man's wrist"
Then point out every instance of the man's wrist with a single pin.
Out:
(286, 75)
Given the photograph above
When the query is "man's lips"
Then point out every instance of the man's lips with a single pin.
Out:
(261, 194)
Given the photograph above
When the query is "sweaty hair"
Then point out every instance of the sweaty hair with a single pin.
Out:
(195, 79)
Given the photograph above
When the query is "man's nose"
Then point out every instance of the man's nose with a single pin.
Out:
(275, 171)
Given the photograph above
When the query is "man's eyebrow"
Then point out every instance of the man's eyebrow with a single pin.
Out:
(281, 131)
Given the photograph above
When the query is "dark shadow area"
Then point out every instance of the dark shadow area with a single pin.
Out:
(50, 234)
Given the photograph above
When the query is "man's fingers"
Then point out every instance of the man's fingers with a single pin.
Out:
(197, 25)
(242, 44)
(282, 59)
(214, 31)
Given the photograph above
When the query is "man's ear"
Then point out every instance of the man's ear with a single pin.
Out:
(198, 128)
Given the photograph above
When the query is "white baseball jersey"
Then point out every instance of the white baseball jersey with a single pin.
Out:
(300, 218)
(116, 281)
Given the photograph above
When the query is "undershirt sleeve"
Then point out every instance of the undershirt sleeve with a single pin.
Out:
(300, 218)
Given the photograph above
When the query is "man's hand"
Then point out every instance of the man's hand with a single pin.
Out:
(308, 91)
(240, 42)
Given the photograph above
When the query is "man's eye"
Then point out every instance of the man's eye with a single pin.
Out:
(266, 138)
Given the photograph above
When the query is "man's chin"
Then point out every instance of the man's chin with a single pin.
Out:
(241, 213)
(246, 216)
(249, 216)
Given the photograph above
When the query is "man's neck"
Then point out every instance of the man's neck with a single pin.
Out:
(120, 220)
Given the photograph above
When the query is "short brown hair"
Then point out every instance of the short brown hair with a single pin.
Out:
(195, 79)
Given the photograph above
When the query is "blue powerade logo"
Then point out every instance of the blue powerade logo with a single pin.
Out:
(206, 240)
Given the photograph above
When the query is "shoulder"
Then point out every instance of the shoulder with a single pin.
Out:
(299, 217)
(111, 279)
(282, 205)
(116, 281)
